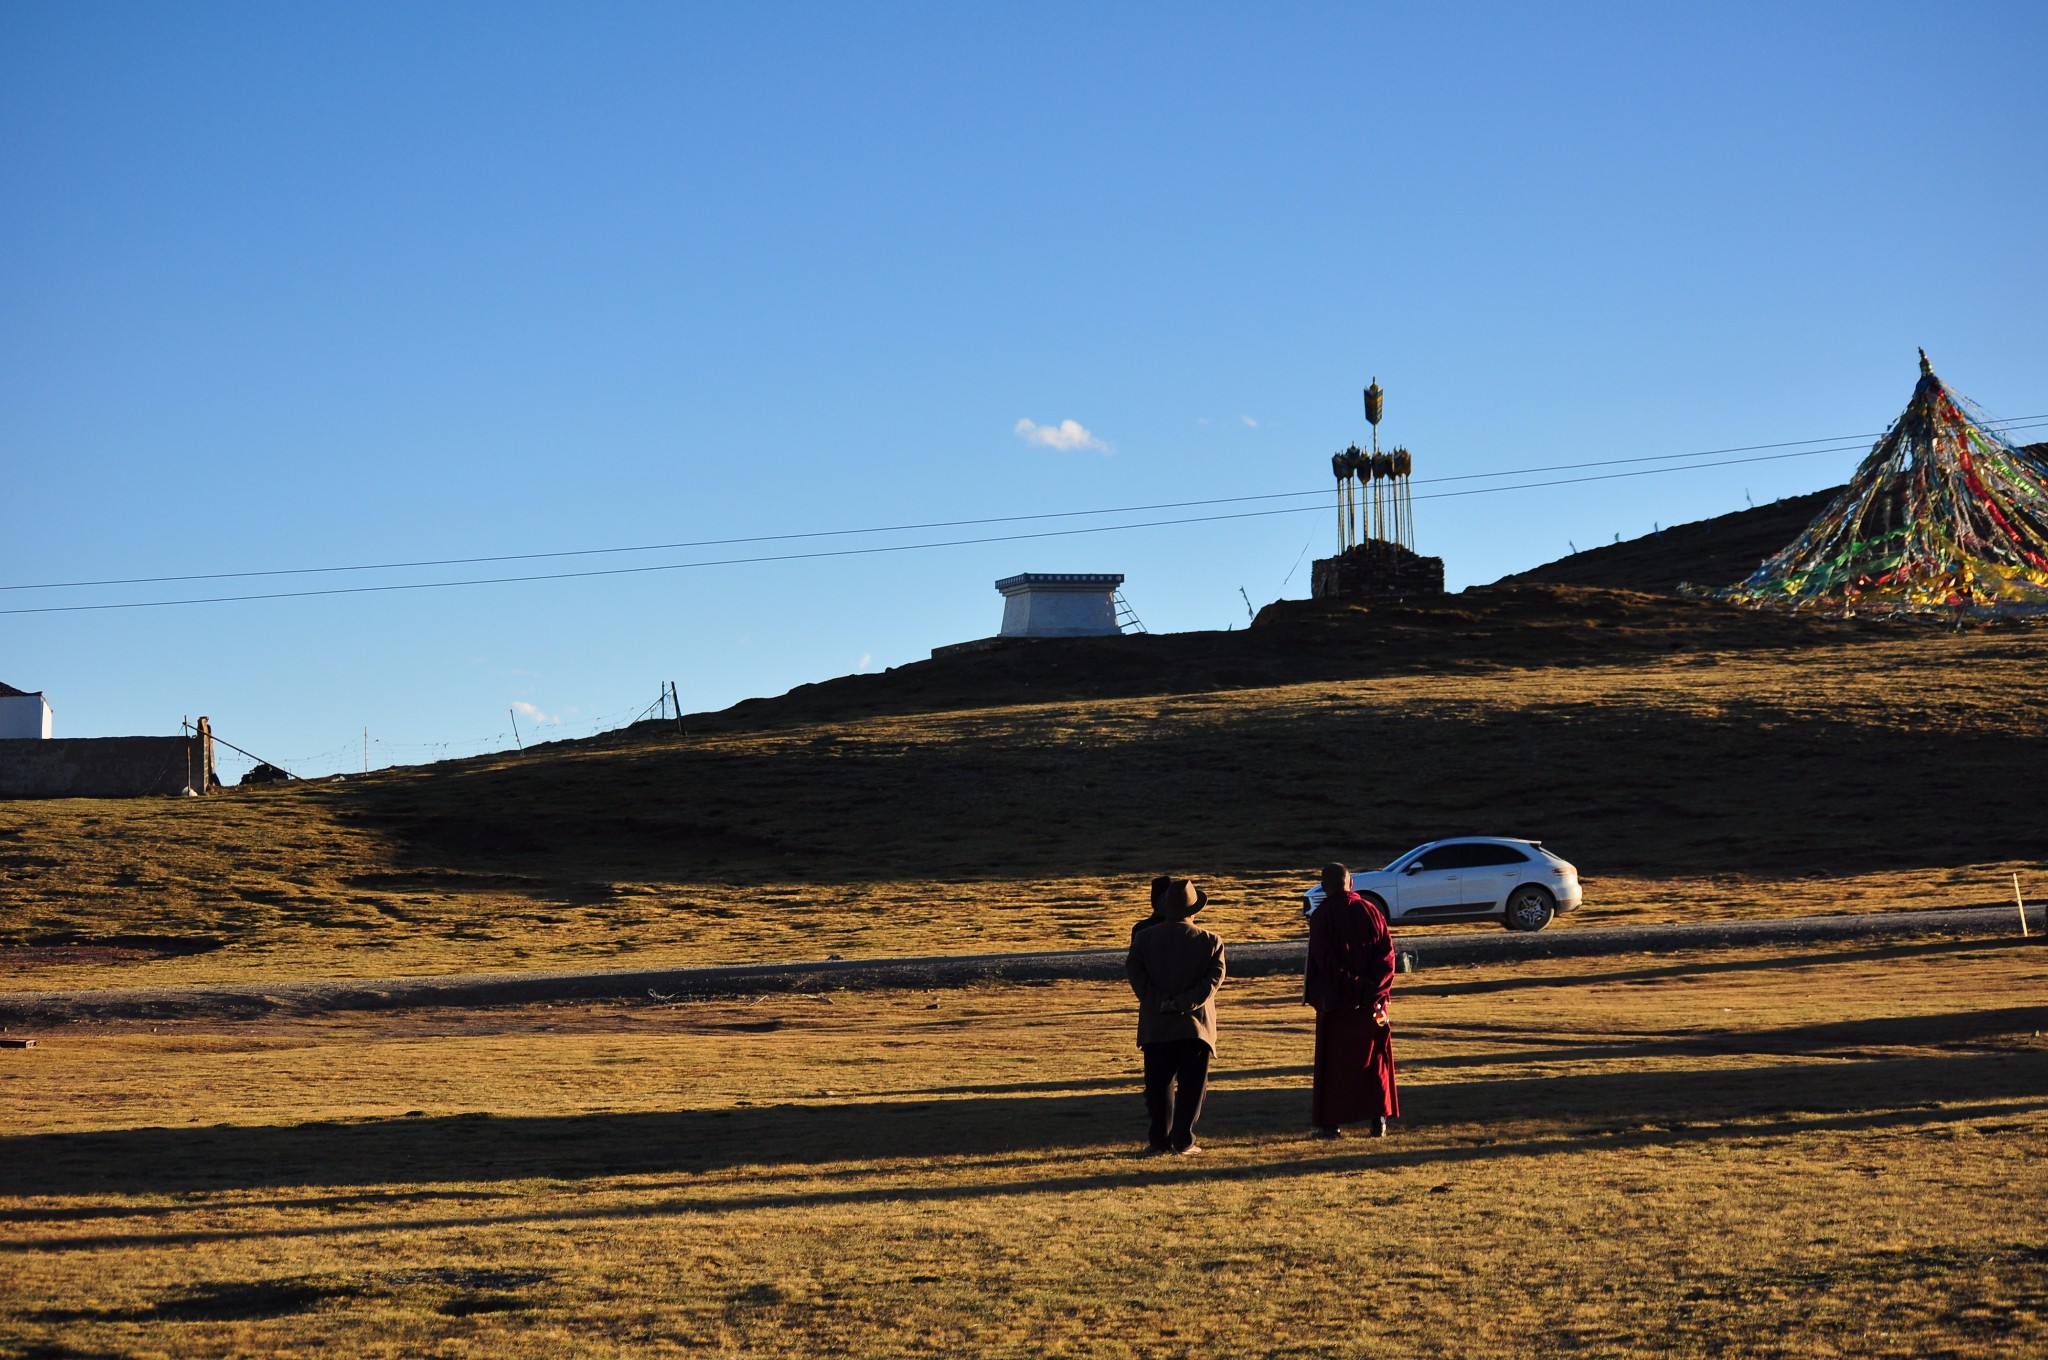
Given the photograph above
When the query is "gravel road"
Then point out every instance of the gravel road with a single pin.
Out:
(28, 1009)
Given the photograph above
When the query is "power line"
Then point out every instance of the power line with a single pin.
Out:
(887, 548)
(2022, 422)
(2018, 423)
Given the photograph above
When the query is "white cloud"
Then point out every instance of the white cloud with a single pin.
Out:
(526, 710)
(1065, 436)
(1253, 424)
(867, 659)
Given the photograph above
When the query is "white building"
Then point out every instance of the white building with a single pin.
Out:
(1060, 604)
(23, 714)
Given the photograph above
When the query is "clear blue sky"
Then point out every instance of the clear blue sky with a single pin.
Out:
(310, 285)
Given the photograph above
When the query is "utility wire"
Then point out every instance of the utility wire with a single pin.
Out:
(881, 548)
(2021, 422)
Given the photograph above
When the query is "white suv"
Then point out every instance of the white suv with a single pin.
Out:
(1471, 878)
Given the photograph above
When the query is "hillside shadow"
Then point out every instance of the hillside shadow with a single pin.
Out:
(1750, 788)
(467, 1149)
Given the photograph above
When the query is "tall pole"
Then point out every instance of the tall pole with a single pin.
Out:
(1354, 465)
(1342, 472)
(1399, 465)
(1375, 406)
(1343, 516)
(1350, 533)
(1401, 511)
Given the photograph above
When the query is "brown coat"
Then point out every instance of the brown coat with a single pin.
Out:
(1175, 967)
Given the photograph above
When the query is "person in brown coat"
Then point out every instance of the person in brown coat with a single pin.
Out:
(1350, 981)
(1175, 968)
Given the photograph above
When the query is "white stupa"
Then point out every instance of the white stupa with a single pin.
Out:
(1060, 604)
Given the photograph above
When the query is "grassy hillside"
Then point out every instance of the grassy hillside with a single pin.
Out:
(1691, 758)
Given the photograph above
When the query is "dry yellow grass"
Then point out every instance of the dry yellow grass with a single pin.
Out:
(1770, 1152)
(1888, 771)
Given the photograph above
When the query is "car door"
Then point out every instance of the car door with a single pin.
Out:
(1432, 883)
(1490, 874)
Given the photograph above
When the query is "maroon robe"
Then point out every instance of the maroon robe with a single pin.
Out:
(1350, 976)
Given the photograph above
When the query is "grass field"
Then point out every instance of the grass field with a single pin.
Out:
(1693, 764)
(1770, 1152)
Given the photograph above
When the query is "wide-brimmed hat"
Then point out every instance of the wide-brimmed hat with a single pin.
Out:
(1177, 896)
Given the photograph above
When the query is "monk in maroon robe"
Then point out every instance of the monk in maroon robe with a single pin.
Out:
(1350, 980)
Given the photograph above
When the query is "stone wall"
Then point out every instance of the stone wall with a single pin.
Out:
(1376, 570)
(104, 767)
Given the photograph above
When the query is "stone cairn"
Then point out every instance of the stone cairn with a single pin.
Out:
(1376, 570)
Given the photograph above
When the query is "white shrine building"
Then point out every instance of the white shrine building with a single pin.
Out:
(1060, 604)
(1056, 604)
(23, 714)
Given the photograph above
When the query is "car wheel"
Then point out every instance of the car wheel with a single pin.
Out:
(1380, 903)
(1529, 908)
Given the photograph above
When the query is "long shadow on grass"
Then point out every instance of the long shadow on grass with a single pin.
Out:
(1316, 1159)
(476, 1148)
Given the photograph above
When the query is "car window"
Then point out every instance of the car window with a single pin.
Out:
(1470, 856)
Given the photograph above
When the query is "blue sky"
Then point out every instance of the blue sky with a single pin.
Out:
(306, 286)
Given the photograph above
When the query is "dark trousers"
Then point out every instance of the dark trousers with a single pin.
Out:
(1173, 1115)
